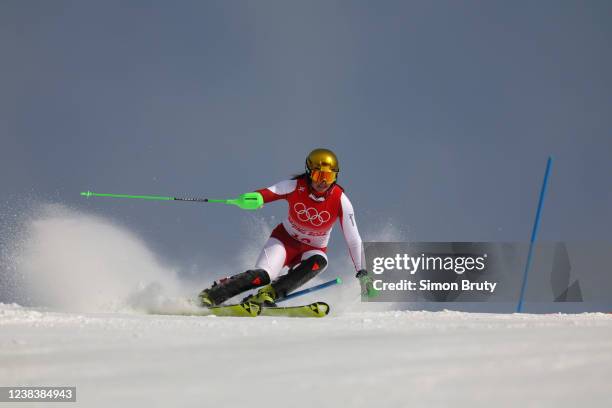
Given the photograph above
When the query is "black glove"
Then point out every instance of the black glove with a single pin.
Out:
(367, 288)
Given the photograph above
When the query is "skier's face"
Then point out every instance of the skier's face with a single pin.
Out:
(321, 180)
(320, 186)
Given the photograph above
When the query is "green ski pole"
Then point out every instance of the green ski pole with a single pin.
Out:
(247, 201)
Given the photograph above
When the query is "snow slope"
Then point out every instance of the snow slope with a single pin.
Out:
(84, 283)
(383, 359)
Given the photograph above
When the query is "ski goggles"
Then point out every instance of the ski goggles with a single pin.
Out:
(319, 175)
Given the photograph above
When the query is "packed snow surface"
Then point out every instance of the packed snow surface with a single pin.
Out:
(75, 289)
(387, 359)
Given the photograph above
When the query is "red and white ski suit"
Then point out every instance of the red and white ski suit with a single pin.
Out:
(307, 228)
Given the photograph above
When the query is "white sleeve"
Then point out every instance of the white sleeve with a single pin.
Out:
(278, 191)
(283, 187)
(351, 233)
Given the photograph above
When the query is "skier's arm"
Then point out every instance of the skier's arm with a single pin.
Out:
(278, 191)
(350, 231)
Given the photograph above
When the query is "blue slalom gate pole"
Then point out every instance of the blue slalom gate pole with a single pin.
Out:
(534, 234)
(312, 289)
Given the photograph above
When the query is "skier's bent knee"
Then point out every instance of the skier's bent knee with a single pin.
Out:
(316, 262)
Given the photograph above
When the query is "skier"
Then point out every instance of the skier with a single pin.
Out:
(300, 241)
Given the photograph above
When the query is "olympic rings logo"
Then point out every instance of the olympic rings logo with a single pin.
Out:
(311, 214)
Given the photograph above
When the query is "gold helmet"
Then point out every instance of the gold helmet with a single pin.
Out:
(322, 164)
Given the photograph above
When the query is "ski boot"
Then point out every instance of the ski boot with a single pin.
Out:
(295, 277)
(264, 297)
(226, 288)
(205, 299)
